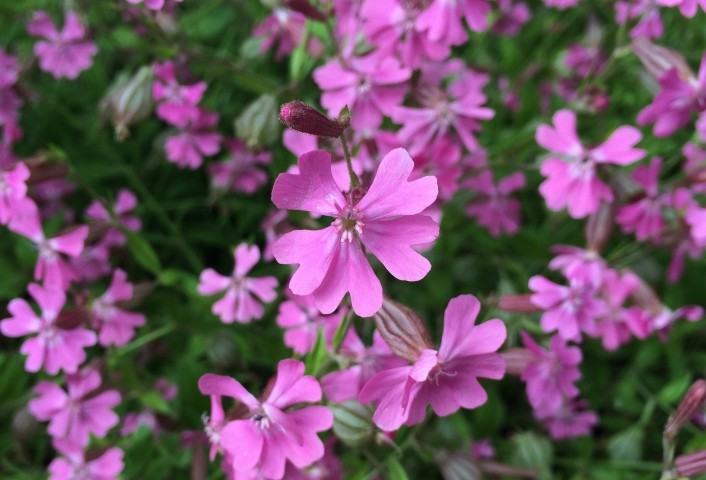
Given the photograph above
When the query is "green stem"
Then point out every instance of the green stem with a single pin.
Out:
(355, 181)
(145, 339)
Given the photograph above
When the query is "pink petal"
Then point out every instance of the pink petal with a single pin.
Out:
(244, 442)
(246, 257)
(211, 384)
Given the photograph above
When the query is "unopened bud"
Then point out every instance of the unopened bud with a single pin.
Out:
(306, 119)
(129, 100)
(41, 169)
(458, 466)
(23, 424)
(691, 464)
(518, 304)
(599, 227)
(689, 406)
(353, 423)
(658, 60)
(516, 360)
(646, 298)
(306, 9)
(402, 330)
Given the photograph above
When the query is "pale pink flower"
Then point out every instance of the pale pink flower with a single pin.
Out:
(64, 54)
(198, 139)
(572, 170)
(371, 87)
(53, 348)
(51, 267)
(239, 303)
(178, 103)
(243, 171)
(644, 217)
(78, 412)
(302, 321)
(271, 432)
(442, 20)
(385, 220)
(125, 204)
(567, 310)
(13, 188)
(493, 208)
(446, 379)
(115, 326)
(74, 465)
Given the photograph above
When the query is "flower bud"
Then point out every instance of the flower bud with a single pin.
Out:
(258, 125)
(306, 119)
(353, 422)
(402, 330)
(599, 227)
(42, 169)
(518, 304)
(24, 425)
(659, 60)
(129, 100)
(306, 9)
(516, 360)
(691, 464)
(457, 466)
(689, 406)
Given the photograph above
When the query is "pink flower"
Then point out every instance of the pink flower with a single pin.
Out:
(92, 264)
(195, 141)
(551, 374)
(688, 8)
(441, 20)
(64, 54)
(644, 216)
(493, 208)
(240, 173)
(115, 326)
(271, 432)
(74, 465)
(51, 267)
(570, 420)
(618, 324)
(513, 16)
(286, 28)
(239, 303)
(371, 86)
(76, 413)
(446, 378)
(302, 322)
(152, 4)
(567, 310)
(53, 347)
(647, 11)
(9, 69)
(178, 103)
(579, 265)
(13, 188)
(678, 97)
(385, 220)
(125, 203)
(561, 4)
(572, 175)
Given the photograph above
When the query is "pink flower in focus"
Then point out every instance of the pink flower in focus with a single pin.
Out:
(644, 217)
(115, 326)
(64, 54)
(178, 103)
(51, 267)
(551, 374)
(446, 379)
(53, 348)
(197, 140)
(572, 175)
(240, 173)
(74, 465)
(371, 86)
(567, 310)
(385, 220)
(493, 208)
(125, 203)
(302, 322)
(271, 432)
(239, 303)
(77, 412)
(13, 188)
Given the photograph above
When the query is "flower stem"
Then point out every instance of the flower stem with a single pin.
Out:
(347, 154)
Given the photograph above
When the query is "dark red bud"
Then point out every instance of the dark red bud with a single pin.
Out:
(306, 119)
(306, 9)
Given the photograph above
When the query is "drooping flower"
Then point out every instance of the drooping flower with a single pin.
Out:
(65, 53)
(74, 463)
(270, 432)
(77, 412)
(115, 326)
(239, 303)
(385, 220)
(572, 171)
(178, 103)
(447, 378)
(53, 347)
(50, 267)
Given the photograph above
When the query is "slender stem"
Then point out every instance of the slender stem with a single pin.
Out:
(347, 154)
(145, 339)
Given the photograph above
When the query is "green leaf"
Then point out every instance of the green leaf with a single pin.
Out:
(316, 358)
(143, 252)
(627, 445)
(395, 470)
(342, 330)
(674, 390)
(155, 401)
(533, 451)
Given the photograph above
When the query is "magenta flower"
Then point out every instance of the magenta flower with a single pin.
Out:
(649, 24)
(64, 54)
(198, 139)
(385, 220)
(242, 172)
(618, 323)
(512, 17)
(567, 310)
(688, 8)
(644, 217)
(493, 208)
(152, 4)
(239, 303)
(178, 103)
(286, 28)
(13, 188)
(446, 378)
(73, 463)
(9, 69)
(270, 432)
(371, 86)
(51, 267)
(442, 20)
(302, 321)
(570, 420)
(681, 93)
(561, 4)
(53, 348)
(572, 177)
(551, 374)
(579, 265)
(125, 203)
(115, 326)
(77, 412)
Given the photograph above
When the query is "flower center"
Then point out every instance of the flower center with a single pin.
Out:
(348, 222)
(261, 420)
